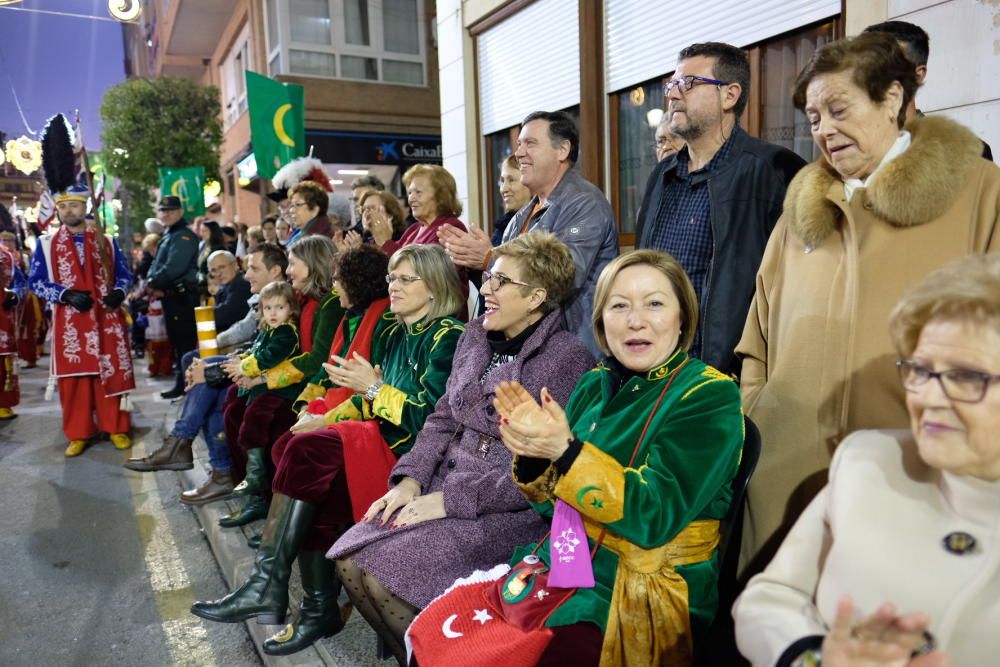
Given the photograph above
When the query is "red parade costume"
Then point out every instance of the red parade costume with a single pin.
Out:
(90, 351)
(9, 392)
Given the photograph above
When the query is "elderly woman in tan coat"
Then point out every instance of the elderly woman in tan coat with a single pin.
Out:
(897, 562)
(880, 208)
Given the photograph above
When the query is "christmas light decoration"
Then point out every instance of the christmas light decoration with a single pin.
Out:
(25, 154)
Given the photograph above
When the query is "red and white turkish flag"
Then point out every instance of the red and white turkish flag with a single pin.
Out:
(459, 629)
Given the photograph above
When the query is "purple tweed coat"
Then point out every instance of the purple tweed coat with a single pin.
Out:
(459, 452)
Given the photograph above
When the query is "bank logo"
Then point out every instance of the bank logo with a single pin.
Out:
(386, 151)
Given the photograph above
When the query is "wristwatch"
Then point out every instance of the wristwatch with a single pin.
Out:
(372, 391)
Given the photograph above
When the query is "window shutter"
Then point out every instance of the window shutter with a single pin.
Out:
(644, 36)
(529, 62)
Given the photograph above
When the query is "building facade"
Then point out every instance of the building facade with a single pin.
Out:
(605, 61)
(369, 69)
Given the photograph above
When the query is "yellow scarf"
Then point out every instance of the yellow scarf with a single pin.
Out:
(649, 622)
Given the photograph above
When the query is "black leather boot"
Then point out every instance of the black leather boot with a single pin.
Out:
(256, 474)
(254, 541)
(255, 508)
(264, 594)
(319, 614)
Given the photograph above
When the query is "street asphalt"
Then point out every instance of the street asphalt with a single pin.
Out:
(99, 565)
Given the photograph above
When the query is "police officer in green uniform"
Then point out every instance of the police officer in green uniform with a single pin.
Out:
(173, 277)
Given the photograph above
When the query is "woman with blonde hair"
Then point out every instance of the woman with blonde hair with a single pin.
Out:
(334, 457)
(433, 199)
(641, 461)
(895, 561)
(310, 270)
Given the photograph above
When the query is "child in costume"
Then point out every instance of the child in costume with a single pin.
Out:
(278, 340)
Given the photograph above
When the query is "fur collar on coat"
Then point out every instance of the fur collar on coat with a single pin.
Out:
(916, 187)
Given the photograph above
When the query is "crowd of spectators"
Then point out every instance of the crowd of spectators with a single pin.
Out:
(566, 444)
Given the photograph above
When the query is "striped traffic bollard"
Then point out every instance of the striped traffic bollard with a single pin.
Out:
(204, 317)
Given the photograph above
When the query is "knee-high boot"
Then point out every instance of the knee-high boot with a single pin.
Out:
(256, 474)
(265, 592)
(319, 614)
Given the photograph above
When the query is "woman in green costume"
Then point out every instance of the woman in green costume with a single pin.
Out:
(645, 452)
(342, 454)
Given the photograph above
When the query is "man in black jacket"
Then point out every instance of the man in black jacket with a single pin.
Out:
(713, 204)
(234, 290)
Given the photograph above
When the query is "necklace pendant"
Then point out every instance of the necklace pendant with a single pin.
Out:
(484, 447)
(959, 543)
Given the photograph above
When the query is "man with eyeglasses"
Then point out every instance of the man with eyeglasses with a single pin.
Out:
(713, 204)
(667, 143)
(230, 306)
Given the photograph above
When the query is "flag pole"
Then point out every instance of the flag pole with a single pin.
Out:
(95, 204)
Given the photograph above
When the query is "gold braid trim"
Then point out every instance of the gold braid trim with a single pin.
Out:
(541, 489)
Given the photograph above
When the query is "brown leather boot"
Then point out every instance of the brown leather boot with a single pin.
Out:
(173, 454)
(218, 486)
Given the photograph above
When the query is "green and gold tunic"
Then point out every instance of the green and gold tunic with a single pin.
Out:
(296, 370)
(416, 362)
(657, 560)
(320, 382)
(271, 347)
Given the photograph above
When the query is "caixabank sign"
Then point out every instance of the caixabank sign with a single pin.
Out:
(374, 148)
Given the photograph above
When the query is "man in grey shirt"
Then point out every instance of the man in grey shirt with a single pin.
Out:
(563, 203)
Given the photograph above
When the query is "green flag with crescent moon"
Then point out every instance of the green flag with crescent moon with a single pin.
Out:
(277, 122)
(187, 183)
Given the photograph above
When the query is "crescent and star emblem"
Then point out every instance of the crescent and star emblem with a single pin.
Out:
(446, 627)
(581, 499)
(481, 615)
(279, 125)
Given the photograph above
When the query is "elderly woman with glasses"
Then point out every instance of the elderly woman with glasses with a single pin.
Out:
(882, 205)
(897, 561)
(453, 507)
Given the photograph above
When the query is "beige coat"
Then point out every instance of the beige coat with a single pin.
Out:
(876, 533)
(818, 362)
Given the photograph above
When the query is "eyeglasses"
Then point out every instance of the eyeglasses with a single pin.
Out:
(498, 280)
(296, 204)
(404, 280)
(958, 384)
(686, 83)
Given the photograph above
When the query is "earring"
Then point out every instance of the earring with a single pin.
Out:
(432, 297)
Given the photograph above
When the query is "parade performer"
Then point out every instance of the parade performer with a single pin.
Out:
(90, 354)
(27, 309)
(9, 392)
